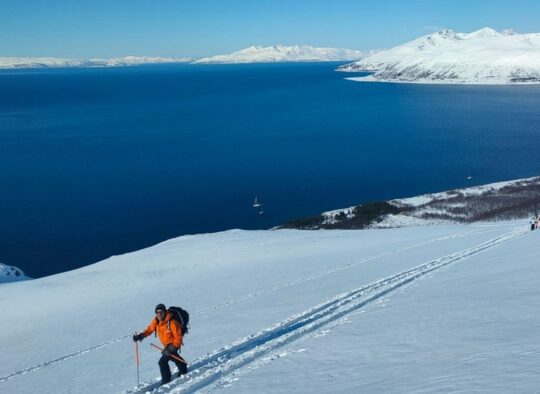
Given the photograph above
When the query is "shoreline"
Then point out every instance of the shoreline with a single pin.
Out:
(492, 202)
(372, 79)
(507, 200)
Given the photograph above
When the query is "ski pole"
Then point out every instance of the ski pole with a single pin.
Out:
(137, 361)
(179, 358)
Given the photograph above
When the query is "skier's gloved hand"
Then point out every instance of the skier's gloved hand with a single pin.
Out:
(138, 337)
(169, 349)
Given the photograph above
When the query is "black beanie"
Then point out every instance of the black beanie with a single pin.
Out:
(160, 307)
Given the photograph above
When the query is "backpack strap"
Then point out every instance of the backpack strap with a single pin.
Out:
(182, 321)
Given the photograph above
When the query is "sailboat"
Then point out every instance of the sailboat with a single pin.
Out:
(256, 204)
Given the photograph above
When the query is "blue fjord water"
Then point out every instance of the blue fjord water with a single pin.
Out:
(101, 161)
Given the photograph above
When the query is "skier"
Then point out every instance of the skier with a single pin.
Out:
(170, 335)
(532, 222)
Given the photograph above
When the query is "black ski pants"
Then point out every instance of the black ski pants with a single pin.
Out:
(166, 371)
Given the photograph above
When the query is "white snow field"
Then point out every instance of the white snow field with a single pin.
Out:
(283, 53)
(485, 56)
(449, 308)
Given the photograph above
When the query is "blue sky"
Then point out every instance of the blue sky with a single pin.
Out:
(109, 28)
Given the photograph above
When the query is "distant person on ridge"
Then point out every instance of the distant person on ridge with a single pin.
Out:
(170, 334)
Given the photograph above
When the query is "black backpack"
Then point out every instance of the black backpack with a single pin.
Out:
(182, 317)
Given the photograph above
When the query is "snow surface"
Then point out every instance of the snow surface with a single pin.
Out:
(11, 274)
(423, 309)
(281, 53)
(481, 57)
(36, 62)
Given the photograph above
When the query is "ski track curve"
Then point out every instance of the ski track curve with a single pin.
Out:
(209, 369)
(249, 296)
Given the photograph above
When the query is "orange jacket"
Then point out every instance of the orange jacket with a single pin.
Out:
(168, 330)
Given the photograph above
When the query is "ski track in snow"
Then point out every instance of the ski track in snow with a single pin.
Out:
(63, 358)
(209, 371)
(335, 269)
(247, 297)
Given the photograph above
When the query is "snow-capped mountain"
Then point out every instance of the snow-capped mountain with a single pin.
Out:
(281, 53)
(36, 62)
(11, 274)
(485, 56)
(134, 60)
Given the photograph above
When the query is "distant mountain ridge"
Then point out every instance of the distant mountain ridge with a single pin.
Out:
(485, 56)
(38, 62)
(282, 53)
(253, 54)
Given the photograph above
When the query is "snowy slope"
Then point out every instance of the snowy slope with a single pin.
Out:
(281, 53)
(11, 274)
(424, 309)
(512, 199)
(36, 62)
(481, 57)
(468, 328)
